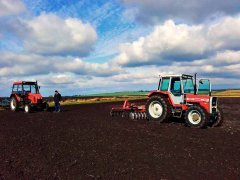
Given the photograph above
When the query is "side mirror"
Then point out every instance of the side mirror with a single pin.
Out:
(39, 87)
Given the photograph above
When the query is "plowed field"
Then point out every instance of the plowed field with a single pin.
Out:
(84, 142)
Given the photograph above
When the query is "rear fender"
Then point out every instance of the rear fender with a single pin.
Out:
(158, 93)
(18, 98)
(164, 95)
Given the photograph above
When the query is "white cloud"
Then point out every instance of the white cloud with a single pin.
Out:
(11, 7)
(172, 42)
(225, 34)
(155, 11)
(13, 64)
(227, 57)
(80, 67)
(51, 35)
(166, 42)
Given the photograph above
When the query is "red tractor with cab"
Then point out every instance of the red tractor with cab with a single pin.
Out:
(25, 95)
(178, 96)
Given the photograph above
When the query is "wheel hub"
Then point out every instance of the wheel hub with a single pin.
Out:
(155, 109)
(195, 117)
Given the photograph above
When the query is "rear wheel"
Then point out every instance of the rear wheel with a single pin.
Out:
(218, 119)
(13, 104)
(157, 109)
(196, 117)
(27, 108)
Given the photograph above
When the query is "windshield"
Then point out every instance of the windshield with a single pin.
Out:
(27, 88)
(204, 87)
(188, 86)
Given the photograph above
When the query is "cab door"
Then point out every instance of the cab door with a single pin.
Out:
(176, 90)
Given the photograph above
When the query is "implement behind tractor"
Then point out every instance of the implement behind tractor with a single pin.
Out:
(177, 96)
(129, 110)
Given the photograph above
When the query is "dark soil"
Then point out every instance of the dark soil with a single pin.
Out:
(84, 142)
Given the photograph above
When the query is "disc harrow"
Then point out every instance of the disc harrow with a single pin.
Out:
(129, 110)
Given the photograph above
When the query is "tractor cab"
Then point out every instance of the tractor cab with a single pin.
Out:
(25, 94)
(181, 86)
(23, 88)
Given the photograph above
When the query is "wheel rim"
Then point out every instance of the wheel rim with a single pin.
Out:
(13, 105)
(194, 117)
(26, 109)
(155, 109)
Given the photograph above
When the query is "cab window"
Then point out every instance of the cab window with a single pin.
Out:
(17, 88)
(188, 86)
(175, 87)
(164, 84)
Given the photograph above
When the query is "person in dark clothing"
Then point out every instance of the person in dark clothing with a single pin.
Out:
(57, 98)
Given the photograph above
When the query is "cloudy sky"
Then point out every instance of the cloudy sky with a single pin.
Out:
(84, 47)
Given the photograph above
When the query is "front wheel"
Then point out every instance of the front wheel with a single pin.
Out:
(157, 109)
(196, 117)
(27, 108)
(13, 104)
(217, 120)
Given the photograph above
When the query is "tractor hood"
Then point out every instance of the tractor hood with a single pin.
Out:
(34, 98)
(197, 98)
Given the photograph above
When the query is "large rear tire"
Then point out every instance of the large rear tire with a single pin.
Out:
(196, 117)
(157, 109)
(218, 119)
(13, 104)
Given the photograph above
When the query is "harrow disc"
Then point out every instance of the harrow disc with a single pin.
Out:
(111, 113)
(139, 115)
(136, 115)
(132, 116)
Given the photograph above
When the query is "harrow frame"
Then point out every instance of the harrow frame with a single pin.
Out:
(129, 110)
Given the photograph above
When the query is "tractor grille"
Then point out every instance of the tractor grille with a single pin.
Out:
(214, 105)
(214, 101)
(39, 101)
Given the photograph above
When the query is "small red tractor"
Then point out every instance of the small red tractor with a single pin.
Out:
(177, 96)
(25, 95)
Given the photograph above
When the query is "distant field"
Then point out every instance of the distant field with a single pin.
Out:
(227, 93)
(220, 93)
(127, 93)
(121, 96)
(97, 99)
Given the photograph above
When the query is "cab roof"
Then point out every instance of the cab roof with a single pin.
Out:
(176, 75)
(25, 82)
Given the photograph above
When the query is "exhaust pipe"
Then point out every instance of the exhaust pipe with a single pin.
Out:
(195, 83)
